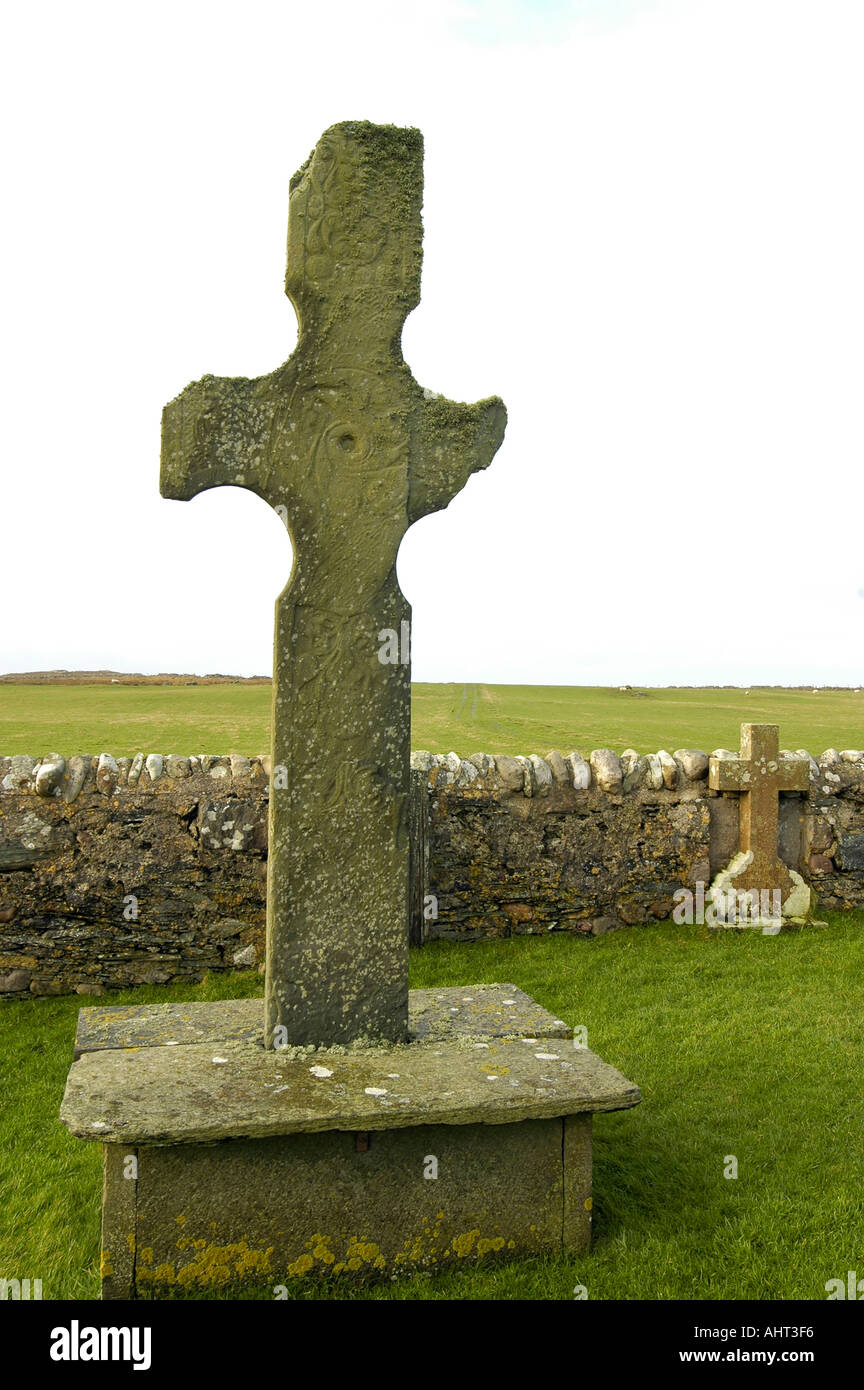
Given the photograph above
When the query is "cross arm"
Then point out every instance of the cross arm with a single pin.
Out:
(452, 442)
(793, 775)
(214, 434)
(727, 775)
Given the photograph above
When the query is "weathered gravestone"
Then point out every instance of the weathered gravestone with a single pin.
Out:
(362, 1127)
(757, 889)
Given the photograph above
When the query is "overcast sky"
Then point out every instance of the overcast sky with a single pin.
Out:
(644, 228)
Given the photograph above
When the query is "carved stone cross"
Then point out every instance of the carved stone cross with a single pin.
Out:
(343, 441)
(760, 775)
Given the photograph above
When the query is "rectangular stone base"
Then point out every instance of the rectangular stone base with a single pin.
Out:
(227, 1166)
(260, 1213)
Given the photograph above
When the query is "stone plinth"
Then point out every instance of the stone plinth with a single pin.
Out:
(253, 1168)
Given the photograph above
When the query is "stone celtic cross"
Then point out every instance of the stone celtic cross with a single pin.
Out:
(346, 445)
(759, 774)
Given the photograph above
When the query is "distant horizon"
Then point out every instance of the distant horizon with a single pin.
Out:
(24, 677)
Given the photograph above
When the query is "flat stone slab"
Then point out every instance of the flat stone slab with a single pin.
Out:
(487, 1011)
(195, 1093)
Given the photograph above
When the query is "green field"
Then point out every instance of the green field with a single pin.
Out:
(124, 720)
(742, 1045)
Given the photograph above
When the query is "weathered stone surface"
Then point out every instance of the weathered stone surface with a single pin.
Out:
(528, 779)
(542, 780)
(760, 775)
(442, 1015)
(850, 853)
(510, 773)
(636, 774)
(759, 870)
(580, 769)
(557, 766)
(601, 925)
(107, 774)
(203, 1093)
(309, 1206)
(820, 864)
(499, 863)
(654, 772)
(21, 769)
(606, 769)
(119, 1220)
(110, 889)
(668, 769)
(351, 465)
(693, 762)
(16, 982)
(467, 773)
(232, 824)
(135, 770)
(49, 776)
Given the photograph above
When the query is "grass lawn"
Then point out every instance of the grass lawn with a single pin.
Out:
(122, 720)
(742, 1045)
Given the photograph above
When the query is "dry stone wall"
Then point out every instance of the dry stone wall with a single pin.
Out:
(153, 869)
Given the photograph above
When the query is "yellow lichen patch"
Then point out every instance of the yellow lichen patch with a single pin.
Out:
(216, 1265)
(485, 1246)
(130, 1241)
(145, 1256)
(365, 1252)
(464, 1244)
(181, 1220)
(106, 1268)
(252, 1261)
(301, 1265)
(588, 1203)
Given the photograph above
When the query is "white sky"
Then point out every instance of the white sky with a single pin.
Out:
(644, 228)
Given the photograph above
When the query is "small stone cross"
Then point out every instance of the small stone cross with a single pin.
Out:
(348, 448)
(760, 775)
